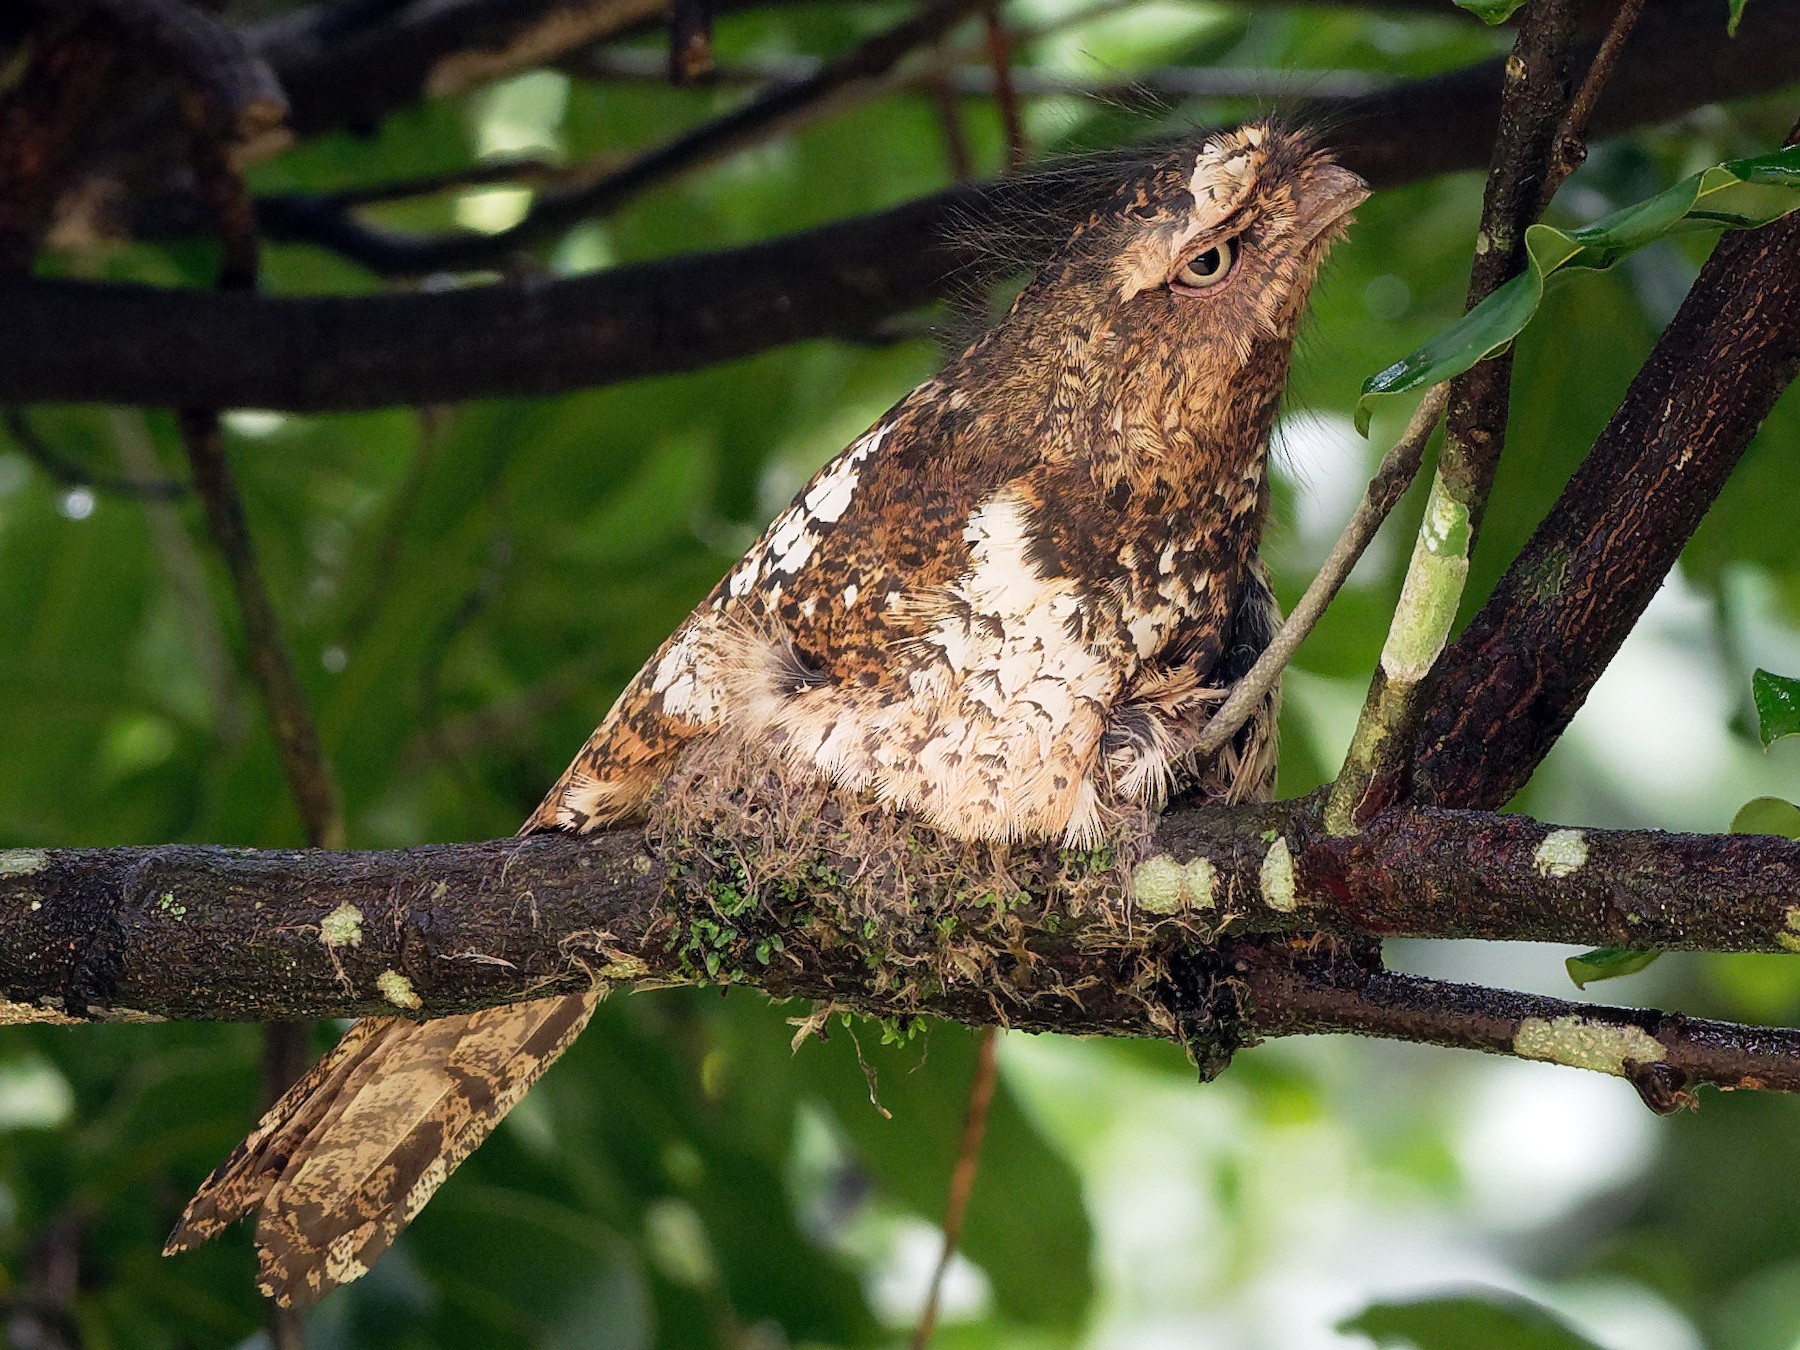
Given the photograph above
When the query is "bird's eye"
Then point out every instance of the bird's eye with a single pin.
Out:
(1208, 269)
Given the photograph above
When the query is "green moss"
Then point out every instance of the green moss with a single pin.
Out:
(22, 862)
(1200, 883)
(1162, 886)
(1562, 853)
(342, 927)
(1583, 1043)
(398, 990)
(1432, 590)
(1277, 877)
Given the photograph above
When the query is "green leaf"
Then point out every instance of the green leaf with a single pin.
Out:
(1737, 15)
(1480, 1319)
(1767, 815)
(1777, 705)
(1607, 963)
(1496, 11)
(1735, 195)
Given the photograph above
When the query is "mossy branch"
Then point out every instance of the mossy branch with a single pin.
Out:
(1246, 922)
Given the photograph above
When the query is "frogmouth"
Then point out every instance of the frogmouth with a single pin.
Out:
(1004, 611)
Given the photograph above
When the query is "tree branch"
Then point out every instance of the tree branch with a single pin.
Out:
(1228, 940)
(1517, 674)
(65, 63)
(350, 65)
(127, 344)
(191, 932)
(1662, 1055)
(1570, 148)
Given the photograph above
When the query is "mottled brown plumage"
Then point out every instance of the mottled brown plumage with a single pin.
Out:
(1007, 610)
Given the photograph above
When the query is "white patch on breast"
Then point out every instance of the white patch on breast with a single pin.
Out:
(1000, 729)
(1146, 631)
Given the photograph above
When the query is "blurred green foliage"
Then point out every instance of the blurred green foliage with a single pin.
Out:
(466, 588)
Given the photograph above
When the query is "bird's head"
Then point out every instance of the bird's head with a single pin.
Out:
(1166, 320)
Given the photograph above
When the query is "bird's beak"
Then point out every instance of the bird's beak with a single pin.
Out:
(1328, 195)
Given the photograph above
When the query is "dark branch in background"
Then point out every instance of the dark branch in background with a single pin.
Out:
(67, 473)
(1158, 84)
(939, 87)
(79, 342)
(865, 64)
(66, 63)
(1534, 100)
(351, 65)
(186, 932)
(208, 96)
(245, 102)
(1516, 676)
(690, 40)
(527, 171)
(865, 67)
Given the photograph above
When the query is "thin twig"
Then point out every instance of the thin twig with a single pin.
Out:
(1395, 474)
(856, 74)
(1662, 1055)
(1570, 147)
(67, 473)
(182, 564)
(939, 86)
(303, 761)
(962, 1178)
(527, 171)
(1006, 97)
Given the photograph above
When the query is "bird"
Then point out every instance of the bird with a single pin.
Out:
(1002, 614)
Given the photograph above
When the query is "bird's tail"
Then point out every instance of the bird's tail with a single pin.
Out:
(354, 1149)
